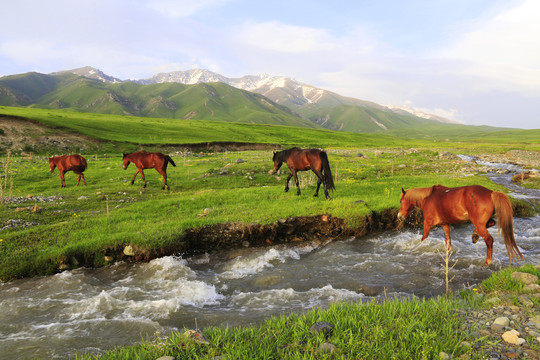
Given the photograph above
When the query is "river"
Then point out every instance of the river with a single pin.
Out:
(94, 310)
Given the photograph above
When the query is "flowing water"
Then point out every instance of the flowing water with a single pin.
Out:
(93, 310)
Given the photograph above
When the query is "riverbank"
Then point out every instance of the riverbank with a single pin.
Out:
(498, 319)
(218, 201)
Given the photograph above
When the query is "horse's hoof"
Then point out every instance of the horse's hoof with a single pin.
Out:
(328, 198)
(286, 190)
(316, 195)
(475, 238)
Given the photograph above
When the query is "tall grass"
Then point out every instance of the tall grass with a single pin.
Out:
(393, 329)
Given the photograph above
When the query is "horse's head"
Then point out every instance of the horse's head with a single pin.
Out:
(125, 160)
(406, 205)
(52, 164)
(278, 161)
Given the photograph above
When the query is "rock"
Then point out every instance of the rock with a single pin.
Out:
(525, 278)
(207, 211)
(327, 348)
(165, 358)
(108, 258)
(239, 161)
(322, 326)
(197, 336)
(444, 356)
(84, 197)
(511, 337)
(493, 300)
(500, 323)
(525, 300)
(129, 251)
(532, 288)
(535, 321)
(245, 243)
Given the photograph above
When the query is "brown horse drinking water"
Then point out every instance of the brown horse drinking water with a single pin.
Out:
(65, 163)
(146, 160)
(444, 206)
(301, 160)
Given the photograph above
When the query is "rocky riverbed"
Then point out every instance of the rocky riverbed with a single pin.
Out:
(509, 328)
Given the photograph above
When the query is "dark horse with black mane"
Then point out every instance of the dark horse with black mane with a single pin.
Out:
(65, 163)
(307, 159)
(445, 206)
(146, 160)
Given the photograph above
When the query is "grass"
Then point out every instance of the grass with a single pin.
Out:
(502, 281)
(393, 329)
(83, 222)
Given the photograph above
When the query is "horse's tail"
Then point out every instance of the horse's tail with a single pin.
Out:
(169, 159)
(505, 221)
(327, 174)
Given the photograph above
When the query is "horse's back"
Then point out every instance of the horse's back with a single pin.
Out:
(458, 203)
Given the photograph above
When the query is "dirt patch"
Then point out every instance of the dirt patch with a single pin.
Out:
(26, 136)
(22, 136)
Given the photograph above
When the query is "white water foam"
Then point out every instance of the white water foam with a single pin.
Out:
(289, 298)
(249, 265)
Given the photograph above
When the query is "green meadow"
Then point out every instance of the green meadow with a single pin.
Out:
(44, 225)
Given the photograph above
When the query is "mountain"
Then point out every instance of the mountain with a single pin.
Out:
(91, 73)
(208, 101)
(322, 107)
(202, 94)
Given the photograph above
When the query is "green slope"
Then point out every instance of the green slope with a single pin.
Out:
(216, 101)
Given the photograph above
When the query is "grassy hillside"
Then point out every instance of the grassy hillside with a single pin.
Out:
(215, 101)
(128, 133)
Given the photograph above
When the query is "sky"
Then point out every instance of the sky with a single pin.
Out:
(473, 61)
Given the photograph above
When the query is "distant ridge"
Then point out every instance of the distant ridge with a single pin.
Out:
(197, 95)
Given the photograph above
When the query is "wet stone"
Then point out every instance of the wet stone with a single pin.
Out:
(322, 326)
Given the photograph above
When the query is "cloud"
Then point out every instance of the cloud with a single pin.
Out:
(504, 49)
(182, 8)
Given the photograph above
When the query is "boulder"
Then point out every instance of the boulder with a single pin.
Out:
(525, 278)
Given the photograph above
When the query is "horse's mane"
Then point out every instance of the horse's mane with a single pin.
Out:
(282, 156)
(417, 195)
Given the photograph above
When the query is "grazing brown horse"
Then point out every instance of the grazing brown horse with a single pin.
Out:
(444, 206)
(146, 160)
(301, 160)
(65, 163)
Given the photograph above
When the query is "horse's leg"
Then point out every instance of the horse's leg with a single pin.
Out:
(427, 228)
(475, 235)
(164, 174)
(134, 176)
(483, 232)
(320, 180)
(78, 179)
(83, 179)
(287, 182)
(143, 179)
(62, 179)
(297, 183)
(447, 236)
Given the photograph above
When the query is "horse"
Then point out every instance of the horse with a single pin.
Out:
(145, 160)
(65, 163)
(444, 206)
(302, 160)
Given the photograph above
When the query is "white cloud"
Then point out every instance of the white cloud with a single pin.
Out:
(504, 49)
(181, 8)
